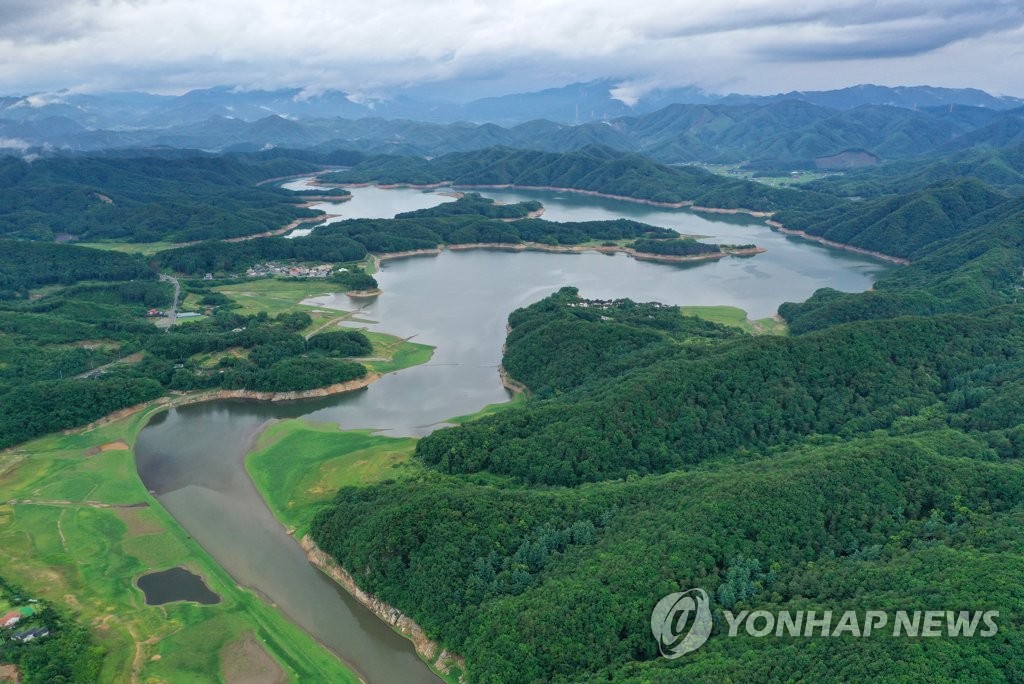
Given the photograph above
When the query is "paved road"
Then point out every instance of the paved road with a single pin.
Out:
(172, 315)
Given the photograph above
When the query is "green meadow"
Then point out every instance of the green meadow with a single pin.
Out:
(143, 248)
(298, 466)
(276, 295)
(737, 318)
(77, 527)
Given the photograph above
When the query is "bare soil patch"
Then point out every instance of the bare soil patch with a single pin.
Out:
(245, 661)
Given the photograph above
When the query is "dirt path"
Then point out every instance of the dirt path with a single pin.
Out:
(131, 358)
(335, 320)
(66, 502)
(172, 315)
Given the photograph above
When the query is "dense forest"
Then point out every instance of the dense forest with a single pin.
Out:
(476, 204)
(680, 247)
(27, 265)
(145, 199)
(899, 225)
(870, 461)
(470, 219)
(592, 168)
(83, 350)
(1000, 167)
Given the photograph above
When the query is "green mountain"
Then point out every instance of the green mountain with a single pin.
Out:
(144, 199)
(903, 225)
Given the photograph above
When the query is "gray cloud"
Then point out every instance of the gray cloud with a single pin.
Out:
(489, 46)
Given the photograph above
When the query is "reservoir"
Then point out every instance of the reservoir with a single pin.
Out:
(192, 457)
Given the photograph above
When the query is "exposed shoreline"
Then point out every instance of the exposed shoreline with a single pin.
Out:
(686, 204)
(285, 229)
(167, 401)
(569, 249)
(837, 245)
(439, 659)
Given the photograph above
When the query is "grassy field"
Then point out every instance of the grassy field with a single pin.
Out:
(395, 353)
(143, 248)
(298, 466)
(284, 296)
(78, 527)
(737, 318)
(517, 400)
(275, 296)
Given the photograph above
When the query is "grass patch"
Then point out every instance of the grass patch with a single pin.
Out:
(393, 353)
(736, 318)
(772, 325)
(724, 315)
(143, 248)
(67, 537)
(274, 295)
(518, 399)
(298, 466)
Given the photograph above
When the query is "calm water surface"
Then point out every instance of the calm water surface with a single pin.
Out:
(192, 457)
(175, 584)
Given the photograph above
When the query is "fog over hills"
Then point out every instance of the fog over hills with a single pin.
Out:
(674, 126)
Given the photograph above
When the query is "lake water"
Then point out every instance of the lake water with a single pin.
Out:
(192, 457)
(175, 584)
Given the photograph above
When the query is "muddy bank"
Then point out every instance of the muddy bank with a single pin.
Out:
(285, 229)
(212, 395)
(579, 249)
(439, 658)
(837, 245)
(508, 383)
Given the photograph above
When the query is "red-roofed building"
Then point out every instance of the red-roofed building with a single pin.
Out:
(10, 619)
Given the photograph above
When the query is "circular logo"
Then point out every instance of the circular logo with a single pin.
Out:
(681, 622)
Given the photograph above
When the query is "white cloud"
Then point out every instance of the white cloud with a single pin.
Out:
(744, 45)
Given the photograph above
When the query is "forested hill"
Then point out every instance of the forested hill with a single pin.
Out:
(905, 226)
(27, 265)
(871, 461)
(76, 343)
(471, 219)
(1002, 168)
(593, 168)
(867, 466)
(145, 198)
(978, 268)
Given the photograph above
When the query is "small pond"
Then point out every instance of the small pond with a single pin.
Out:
(176, 584)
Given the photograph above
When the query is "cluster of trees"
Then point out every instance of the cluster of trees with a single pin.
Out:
(674, 247)
(594, 168)
(145, 199)
(398, 235)
(270, 355)
(475, 204)
(351, 240)
(57, 354)
(27, 265)
(66, 654)
(214, 256)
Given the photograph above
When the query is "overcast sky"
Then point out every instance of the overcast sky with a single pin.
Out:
(486, 47)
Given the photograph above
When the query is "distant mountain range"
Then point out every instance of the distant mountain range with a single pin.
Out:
(675, 126)
(572, 104)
